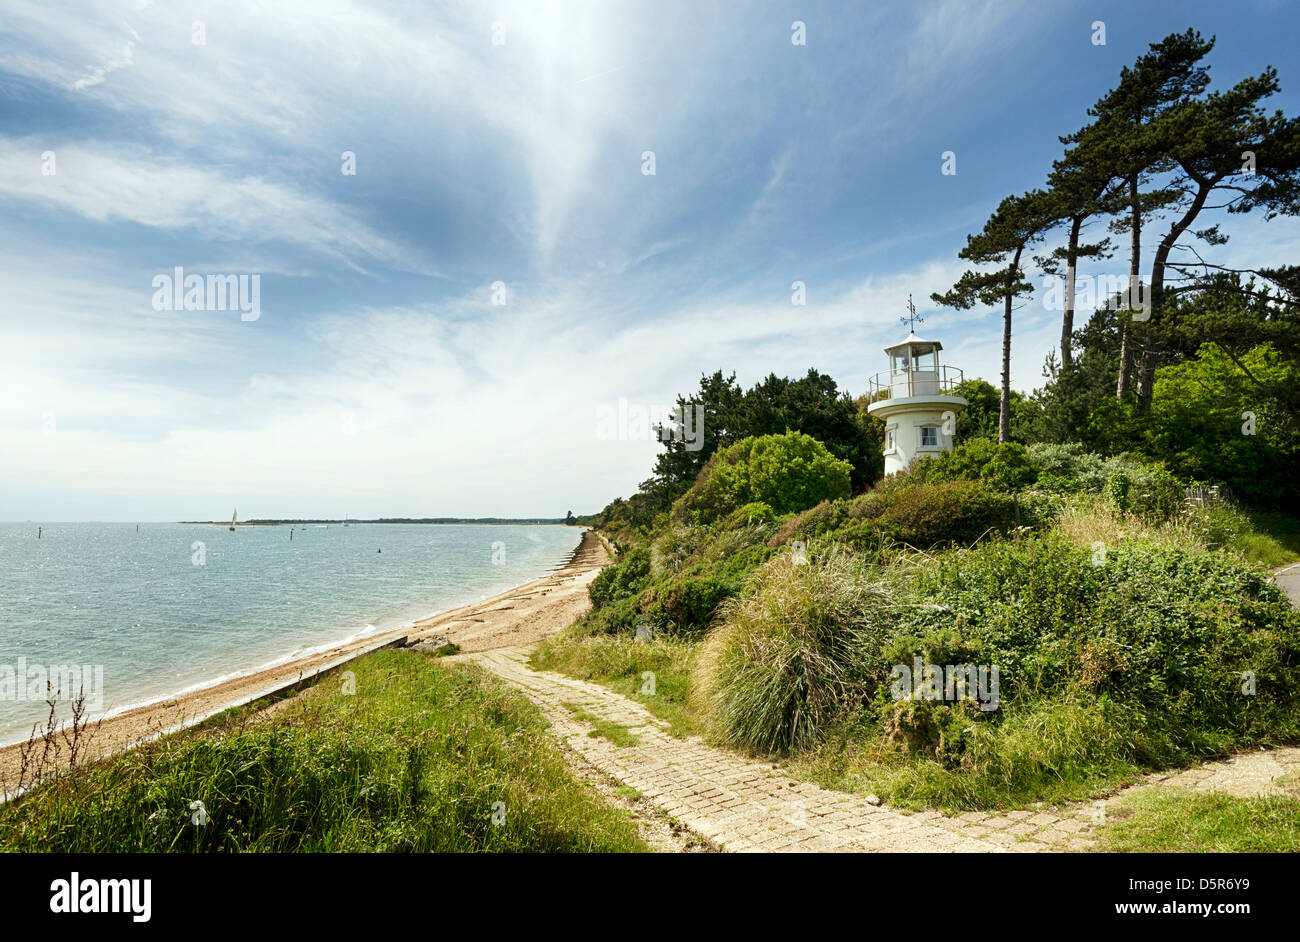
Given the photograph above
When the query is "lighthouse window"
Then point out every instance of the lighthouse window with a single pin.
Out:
(889, 440)
(929, 437)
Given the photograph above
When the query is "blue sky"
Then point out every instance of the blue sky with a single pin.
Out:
(380, 379)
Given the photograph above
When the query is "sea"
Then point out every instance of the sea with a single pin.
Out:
(153, 610)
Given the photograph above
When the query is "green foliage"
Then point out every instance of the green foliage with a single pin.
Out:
(1006, 467)
(676, 583)
(904, 510)
(1116, 491)
(980, 417)
(787, 472)
(1167, 631)
(788, 657)
(1271, 539)
(1070, 468)
(1199, 424)
(927, 514)
(623, 579)
(1130, 484)
(751, 513)
(720, 414)
(414, 761)
(1106, 670)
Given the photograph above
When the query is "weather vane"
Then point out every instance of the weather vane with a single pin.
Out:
(911, 320)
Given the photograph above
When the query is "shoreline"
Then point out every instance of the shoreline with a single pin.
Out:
(474, 626)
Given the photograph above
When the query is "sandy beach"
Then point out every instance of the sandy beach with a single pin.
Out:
(522, 615)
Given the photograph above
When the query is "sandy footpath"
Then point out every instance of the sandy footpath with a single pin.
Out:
(522, 615)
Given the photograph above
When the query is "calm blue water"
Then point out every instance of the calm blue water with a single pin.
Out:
(176, 606)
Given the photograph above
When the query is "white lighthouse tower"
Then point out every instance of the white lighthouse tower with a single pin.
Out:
(916, 399)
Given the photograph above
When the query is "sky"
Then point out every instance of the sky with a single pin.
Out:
(442, 331)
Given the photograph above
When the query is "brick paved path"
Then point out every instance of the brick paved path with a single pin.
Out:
(739, 804)
(746, 805)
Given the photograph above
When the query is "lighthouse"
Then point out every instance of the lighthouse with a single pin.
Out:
(916, 398)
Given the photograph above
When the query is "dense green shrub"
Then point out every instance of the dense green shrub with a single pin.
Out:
(905, 510)
(1070, 467)
(1005, 467)
(1167, 632)
(752, 513)
(676, 585)
(621, 580)
(675, 548)
(1131, 484)
(1197, 422)
(827, 517)
(786, 472)
(1217, 525)
(1155, 493)
(686, 603)
(928, 514)
(1116, 491)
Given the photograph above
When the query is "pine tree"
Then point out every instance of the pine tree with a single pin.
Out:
(1017, 223)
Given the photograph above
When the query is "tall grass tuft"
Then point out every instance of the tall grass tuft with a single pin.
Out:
(787, 658)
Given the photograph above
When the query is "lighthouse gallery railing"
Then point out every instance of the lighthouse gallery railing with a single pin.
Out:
(896, 384)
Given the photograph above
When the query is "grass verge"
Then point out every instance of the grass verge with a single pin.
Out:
(424, 756)
(1152, 820)
(1272, 541)
(654, 673)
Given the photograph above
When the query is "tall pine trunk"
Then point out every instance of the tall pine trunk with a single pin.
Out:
(1004, 408)
(1067, 320)
(1134, 272)
(1156, 290)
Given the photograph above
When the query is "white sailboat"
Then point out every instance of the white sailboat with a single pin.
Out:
(232, 519)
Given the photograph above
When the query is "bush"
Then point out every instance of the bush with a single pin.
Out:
(787, 659)
(902, 509)
(788, 472)
(1005, 467)
(826, 517)
(621, 580)
(1131, 484)
(677, 584)
(751, 514)
(928, 514)
(1168, 632)
(687, 603)
(1070, 468)
(1116, 491)
(1155, 493)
